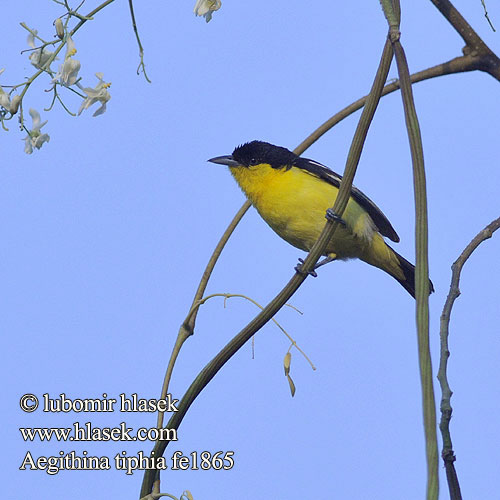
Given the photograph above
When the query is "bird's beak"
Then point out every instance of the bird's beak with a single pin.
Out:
(225, 160)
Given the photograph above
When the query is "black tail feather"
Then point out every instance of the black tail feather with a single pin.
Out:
(408, 282)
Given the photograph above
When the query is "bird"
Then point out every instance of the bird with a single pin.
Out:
(294, 195)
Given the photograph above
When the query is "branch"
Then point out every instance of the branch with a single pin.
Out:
(187, 327)
(457, 65)
(90, 16)
(447, 453)
(211, 369)
(486, 59)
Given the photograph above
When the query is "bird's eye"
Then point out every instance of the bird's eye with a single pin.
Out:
(253, 161)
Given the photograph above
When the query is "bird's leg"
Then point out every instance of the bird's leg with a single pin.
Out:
(326, 260)
(298, 268)
(331, 257)
(333, 217)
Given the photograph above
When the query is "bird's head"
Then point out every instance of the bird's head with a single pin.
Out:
(257, 153)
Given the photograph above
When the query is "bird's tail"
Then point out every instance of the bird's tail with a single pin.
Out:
(408, 270)
(381, 255)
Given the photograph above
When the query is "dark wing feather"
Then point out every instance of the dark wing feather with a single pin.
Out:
(384, 226)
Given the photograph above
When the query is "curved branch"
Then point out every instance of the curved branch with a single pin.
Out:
(187, 327)
(457, 65)
(447, 453)
(190, 320)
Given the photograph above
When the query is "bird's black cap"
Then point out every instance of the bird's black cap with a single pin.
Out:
(256, 152)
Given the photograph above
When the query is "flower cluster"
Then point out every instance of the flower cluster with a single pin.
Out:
(66, 76)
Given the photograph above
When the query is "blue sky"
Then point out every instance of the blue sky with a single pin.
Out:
(107, 229)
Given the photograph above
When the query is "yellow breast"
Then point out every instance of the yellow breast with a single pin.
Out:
(293, 202)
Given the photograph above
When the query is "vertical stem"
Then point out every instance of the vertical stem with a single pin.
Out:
(393, 15)
(421, 273)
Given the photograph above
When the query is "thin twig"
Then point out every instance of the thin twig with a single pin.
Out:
(231, 295)
(181, 338)
(486, 15)
(64, 105)
(141, 50)
(35, 35)
(447, 453)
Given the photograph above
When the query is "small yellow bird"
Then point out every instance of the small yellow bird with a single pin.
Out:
(293, 195)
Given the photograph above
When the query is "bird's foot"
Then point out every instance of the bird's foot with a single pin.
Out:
(333, 217)
(298, 268)
(326, 260)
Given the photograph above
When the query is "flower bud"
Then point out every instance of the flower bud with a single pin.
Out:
(14, 104)
(59, 28)
(286, 362)
(4, 100)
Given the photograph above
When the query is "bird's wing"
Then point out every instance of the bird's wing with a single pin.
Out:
(317, 169)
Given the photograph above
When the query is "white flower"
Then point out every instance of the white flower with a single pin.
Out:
(5, 101)
(4, 98)
(206, 7)
(40, 56)
(68, 71)
(99, 93)
(35, 138)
